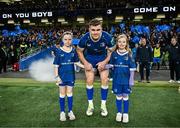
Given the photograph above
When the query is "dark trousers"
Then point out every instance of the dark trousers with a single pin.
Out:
(0, 66)
(174, 67)
(143, 65)
(3, 64)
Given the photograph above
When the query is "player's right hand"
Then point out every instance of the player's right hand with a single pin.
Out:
(88, 66)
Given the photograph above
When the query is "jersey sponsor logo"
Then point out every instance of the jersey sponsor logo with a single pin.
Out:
(120, 65)
(126, 58)
(102, 44)
(115, 90)
(88, 44)
(72, 54)
(67, 63)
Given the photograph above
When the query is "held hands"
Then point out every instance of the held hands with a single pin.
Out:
(109, 66)
(101, 65)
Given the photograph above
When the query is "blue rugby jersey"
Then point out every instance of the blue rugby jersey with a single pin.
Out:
(65, 61)
(123, 63)
(99, 47)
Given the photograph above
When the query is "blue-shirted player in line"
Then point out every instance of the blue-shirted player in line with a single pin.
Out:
(96, 44)
(123, 76)
(65, 58)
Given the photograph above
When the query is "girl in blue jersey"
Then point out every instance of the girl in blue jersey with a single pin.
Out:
(64, 61)
(123, 76)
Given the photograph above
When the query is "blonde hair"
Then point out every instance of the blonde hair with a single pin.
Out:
(127, 43)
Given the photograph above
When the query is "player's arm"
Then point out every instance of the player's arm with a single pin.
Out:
(109, 52)
(110, 48)
(101, 65)
(81, 55)
(87, 65)
(108, 57)
(110, 65)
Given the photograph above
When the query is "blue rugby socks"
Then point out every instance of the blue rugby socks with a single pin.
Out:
(119, 104)
(62, 103)
(70, 102)
(104, 92)
(90, 92)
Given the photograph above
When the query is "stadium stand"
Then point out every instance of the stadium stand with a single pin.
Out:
(63, 15)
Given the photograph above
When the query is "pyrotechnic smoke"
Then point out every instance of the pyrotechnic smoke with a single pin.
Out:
(42, 70)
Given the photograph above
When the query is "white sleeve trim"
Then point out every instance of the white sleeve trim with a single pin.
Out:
(81, 49)
(56, 66)
(132, 69)
(112, 48)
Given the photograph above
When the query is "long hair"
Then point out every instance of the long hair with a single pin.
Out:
(127, 43)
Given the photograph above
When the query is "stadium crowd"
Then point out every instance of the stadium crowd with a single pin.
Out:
(18, 45)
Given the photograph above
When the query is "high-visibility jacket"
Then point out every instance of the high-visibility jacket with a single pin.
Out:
(157, 52)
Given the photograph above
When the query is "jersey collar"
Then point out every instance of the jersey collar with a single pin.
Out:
(96, 40)
(121, 54)
(65, 50)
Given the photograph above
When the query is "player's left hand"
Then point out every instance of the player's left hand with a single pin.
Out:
(101, 65)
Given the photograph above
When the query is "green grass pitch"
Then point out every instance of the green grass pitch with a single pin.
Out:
(28, 103)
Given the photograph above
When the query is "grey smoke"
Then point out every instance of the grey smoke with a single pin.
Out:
(42, 70)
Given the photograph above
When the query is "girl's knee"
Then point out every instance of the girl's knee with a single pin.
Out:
(69, 94)
(119, 97)
(125, 97)
(69, 91)
(62, 95)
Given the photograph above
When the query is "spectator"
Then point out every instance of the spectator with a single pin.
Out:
(3, 58)
(157, 56)
(174, 60)
(144, 59)
(12, 53)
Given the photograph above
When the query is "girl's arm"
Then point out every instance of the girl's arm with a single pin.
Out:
(108, 66)
(131, 79)
(56, 70)
(58, 79)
